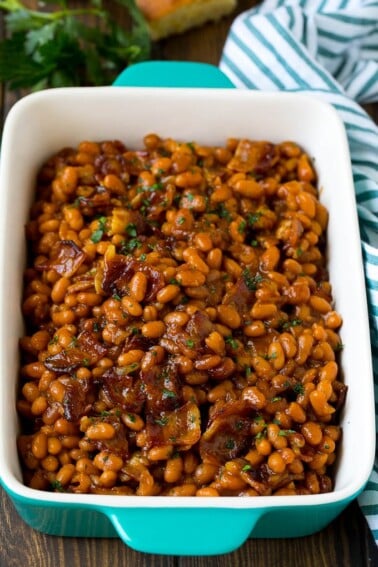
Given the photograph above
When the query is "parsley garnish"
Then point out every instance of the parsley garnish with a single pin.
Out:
(250, 280)
(100, 231)
(190, 343)
(131, 229)
(161, 421)
(168, 394)
(232, 342)
(242, 226)
(292, 323)
(285, 432)
(131, 245)
(298, 388)
(57, 48)
(57, 485)
(252, 218)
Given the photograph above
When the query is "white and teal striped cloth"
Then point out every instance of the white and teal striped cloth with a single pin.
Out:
(328, 47)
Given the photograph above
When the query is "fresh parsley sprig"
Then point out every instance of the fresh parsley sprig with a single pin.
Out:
(58, 47)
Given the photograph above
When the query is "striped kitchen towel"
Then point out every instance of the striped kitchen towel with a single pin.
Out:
(328, 48)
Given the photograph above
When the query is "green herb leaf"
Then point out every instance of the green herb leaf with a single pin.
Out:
(97, 235)
(56, 47)
(161, 421)
(131, 229)
(250, 280)
(232, 342)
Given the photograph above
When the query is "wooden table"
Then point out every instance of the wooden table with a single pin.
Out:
(346, 542)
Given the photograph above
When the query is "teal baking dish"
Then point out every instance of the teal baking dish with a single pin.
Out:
(204, 108)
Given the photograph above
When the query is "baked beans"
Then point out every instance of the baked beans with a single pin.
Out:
(181, 334)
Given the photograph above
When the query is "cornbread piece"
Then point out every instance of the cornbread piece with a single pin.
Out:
(169, 17)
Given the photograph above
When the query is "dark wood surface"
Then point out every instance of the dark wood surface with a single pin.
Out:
(346, 542)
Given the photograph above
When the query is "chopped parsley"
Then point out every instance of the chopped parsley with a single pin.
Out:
(298, 389)
(57, 485)
(253, 218)
(161, 421)
(250, 280)
(131, 229)
(168, 394)
(291, 323)
(242, 226)
(97, 235)
(285, 432)
(131, 245)
(190, 343)
(231, 341)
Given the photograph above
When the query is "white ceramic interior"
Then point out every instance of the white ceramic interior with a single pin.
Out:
(42, 123)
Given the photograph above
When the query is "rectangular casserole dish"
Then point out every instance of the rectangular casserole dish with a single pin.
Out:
(41, 124)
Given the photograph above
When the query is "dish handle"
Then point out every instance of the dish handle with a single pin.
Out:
(184, 531)
(188, 74)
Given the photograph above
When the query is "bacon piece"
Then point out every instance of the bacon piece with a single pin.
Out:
(66, 259)
(199, 325)
(180, 427)
(99, 200)
(256, 157)
(240, 295)
(76, 401)
(87, 350)
(118, 271)
(119, 443)
(123, 391)
(162, 388)
(228, 433)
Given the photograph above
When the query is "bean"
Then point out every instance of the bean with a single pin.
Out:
(190, 277)
(312, 432)
(54, 445)
(207, 361)
(153, 329)
(214, 258)
(173, 470)
(30, 391)
(132, 306)
(183, 490)
(263, 310)
(276, 462)
(138, 286)
(39, 445)
(160, 453)
(132, 421)
(65, 474)
(107, 461)
(100, 431)
(168, 293)
(39, 405)
(320, 304)
(207, 491)
(248, 188)
(130, 357)
(203, 241)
